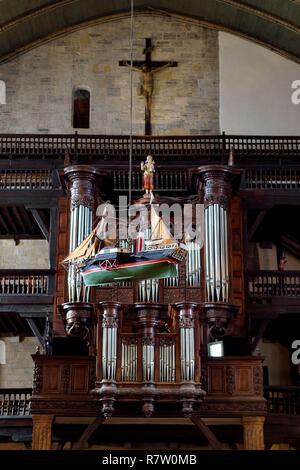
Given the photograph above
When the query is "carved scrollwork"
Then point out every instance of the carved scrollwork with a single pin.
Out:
(186, 322)
(37, 378)
(230, 380)
(109, 322)
(65, 378)
(258, 380)
(148, 340)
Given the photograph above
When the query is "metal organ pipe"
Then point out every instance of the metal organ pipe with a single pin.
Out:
(216, 253)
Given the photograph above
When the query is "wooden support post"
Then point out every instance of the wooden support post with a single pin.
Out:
(253, 427)
(42, 432)
(90, 429)
(213, 441)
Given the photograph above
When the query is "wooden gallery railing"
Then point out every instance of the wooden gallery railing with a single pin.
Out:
(283, 400)
(26, 282)
(267, 284)
(26, 179)
(272, 178)
(56, 145)
(15, 401)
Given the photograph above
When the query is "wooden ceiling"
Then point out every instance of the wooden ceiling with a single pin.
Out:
(272, 23)
(17, 222)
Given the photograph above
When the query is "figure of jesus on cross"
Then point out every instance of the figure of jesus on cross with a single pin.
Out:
(148, 68)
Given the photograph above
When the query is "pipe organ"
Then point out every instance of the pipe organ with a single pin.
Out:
(82, 180)
(144, 349)
(218, 183)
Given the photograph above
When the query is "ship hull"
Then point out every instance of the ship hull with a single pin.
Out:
(156, 269)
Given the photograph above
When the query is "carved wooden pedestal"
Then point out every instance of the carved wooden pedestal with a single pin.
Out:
(79, 321)
(218, 317)
(42, 432)
(253, 427)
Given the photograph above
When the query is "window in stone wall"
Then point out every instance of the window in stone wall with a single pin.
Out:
(81, 109)
(2, 92)
(2, 352)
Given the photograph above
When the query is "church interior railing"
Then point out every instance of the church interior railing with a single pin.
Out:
(283, 400)
(273, 284)
(15, 401)
(25, 179)
(285, 177)
(26, 282)
(118, 145)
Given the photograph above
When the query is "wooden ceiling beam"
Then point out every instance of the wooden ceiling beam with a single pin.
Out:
(11, 224)
(40, 222)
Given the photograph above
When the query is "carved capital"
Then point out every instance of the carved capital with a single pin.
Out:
(253, 429)
(187, 313)
(42, 432)
(219, 182)
(82, 184)
(148, 317)
(110, 313)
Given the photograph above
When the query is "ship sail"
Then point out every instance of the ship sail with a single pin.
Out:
(90, 246)
(159, 231)
(83, 251)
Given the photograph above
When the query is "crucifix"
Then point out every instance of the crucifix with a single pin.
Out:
(148, 67)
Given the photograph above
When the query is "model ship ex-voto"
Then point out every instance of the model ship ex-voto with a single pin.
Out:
(102, 260)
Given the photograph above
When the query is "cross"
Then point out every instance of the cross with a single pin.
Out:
(148, 67)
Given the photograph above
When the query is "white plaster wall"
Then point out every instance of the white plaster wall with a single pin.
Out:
(185, 101)
(28, 254)
(255, 89)
(278, 361)
(17, 372)
(267, 257)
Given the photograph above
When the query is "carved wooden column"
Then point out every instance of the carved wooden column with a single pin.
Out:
(42, 432)
(218, 184)
(253, 427)
(77, 313)
(190, 389)
(105, 389)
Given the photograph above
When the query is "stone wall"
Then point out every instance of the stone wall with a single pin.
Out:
(40, 83)
(17, 372)
(28, 254)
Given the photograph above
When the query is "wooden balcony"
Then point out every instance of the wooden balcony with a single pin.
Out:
(272, 292)
(63, 385)
(15, 402)
(189, 148)
(19, 286)
(26, 302)
(283, 400)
